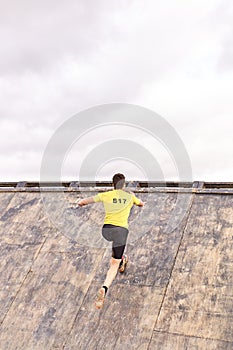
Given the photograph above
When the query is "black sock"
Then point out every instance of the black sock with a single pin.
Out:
(106, 289)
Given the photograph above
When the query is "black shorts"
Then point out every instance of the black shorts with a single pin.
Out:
(118, 236)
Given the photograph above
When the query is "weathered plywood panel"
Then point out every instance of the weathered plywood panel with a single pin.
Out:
(21, 221)
(47, 303)
(5, 199)
(21, 203)
(14, 267)
(125, 322)
(163, 212)
(197, 324)
(82, 225)
(57, 242)
(166, 341)
(21, 236)
(199, 298)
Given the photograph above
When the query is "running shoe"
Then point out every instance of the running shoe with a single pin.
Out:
(123, 263)
(99, 300)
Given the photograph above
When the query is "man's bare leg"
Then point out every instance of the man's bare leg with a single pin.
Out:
(111, 274)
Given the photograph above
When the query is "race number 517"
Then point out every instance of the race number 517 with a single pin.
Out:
(119, 200)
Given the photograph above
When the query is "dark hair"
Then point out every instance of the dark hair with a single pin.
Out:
(118, 181)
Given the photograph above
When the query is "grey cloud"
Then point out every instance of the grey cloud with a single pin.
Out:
(225, 61)
(19, 138)
(135, 41)
(57, 58)
(35, 34)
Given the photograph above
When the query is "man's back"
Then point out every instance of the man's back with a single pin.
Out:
(117, 204)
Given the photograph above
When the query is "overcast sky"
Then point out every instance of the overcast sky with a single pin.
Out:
(58, 58)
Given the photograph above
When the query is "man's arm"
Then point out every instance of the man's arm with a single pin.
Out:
(138, 202)
(141, 204)
(86, 201)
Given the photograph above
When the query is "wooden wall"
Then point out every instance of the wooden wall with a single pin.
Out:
(177, 292)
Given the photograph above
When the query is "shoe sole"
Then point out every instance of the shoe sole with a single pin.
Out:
(99, 302)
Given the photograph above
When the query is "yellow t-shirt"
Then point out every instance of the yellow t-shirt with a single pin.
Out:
(117, 205)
